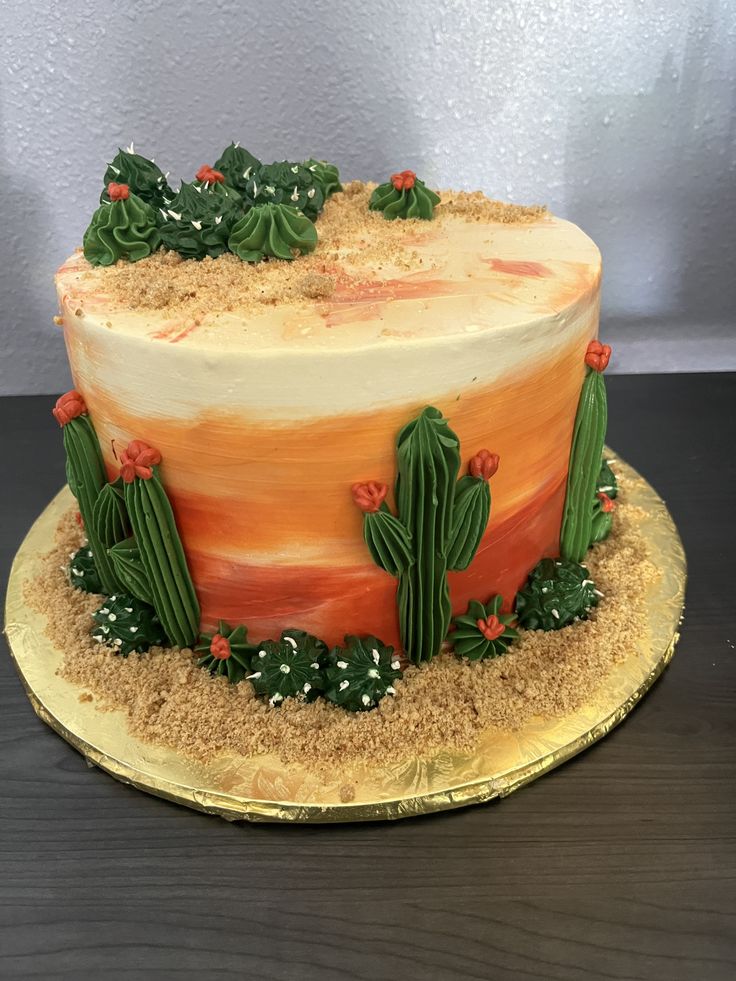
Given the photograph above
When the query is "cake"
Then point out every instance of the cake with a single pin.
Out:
(319, 433)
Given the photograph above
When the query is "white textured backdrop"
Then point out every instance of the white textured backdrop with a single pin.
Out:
(619, 115)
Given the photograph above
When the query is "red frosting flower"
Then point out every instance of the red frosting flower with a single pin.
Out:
(79, 519)
(607, 505)
(369, 497)
(404, 181)
(597, 356)
(220, 647)
(483, 465)
(208, 175)
(118, 192)
(68, 407)
(138, 460)
(491, 627)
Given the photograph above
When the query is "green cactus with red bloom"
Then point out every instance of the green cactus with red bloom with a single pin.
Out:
(226, 652)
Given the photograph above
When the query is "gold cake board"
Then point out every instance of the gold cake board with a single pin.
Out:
(265, 789)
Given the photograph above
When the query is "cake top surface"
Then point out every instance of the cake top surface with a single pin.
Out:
(480, 264)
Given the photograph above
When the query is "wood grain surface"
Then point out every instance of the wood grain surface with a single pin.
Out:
(619, 865)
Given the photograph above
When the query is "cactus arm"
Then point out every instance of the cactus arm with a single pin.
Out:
(388, 541)
(109, 517)
(126, 559)
(86, 476)
(163, 559)
(585, 462)
(601, 524)
(470, 515)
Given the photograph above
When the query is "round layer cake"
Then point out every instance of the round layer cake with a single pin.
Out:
(271, 390)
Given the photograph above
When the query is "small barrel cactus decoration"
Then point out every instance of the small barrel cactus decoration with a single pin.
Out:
(439, 526)
(86, 476)
(607, 483)
(144, 178)
(126, 624)
(603, 508)
(327, 174)
(292, 667)
(226, 652)
(585, 456)
(124, 228)
(361, 673)
(272, 230)
(237, 165)
(288, 183)
(483, 631)
(404, 196)
(83, 571)
(159, 545)
(557, 593)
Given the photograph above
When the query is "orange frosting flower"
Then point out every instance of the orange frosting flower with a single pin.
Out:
(138, 460)
(597, 356)
(404, 181)
(118, 192)
(369, 497)
(220, 647)
(607, 505)
(68, 407)
(208, 175)
(483, 465)
(491, 627)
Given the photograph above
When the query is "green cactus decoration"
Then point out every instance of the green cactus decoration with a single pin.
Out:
(126, 625)
(439, 526)
(557, 593)
(361, 674)
(327, 174)
(86, 476)
(607, 483)
(130, 570)
(483, 631)
(83, 571)
(292, 667)
(585, 456)
(159, 547)
(226, 652)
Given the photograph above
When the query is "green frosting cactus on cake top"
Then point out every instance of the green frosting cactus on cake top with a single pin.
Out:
(404, 196)
(199, 220)
(126, 624)
(237, 165)
(288, 183)
(83, 571)
(557, 593)
(362, 673)
(144, 178)
(226, 652)
(327, 174)
(272, 230)
(483, 631)
(124, 228)
(292, 667)
(438, 528)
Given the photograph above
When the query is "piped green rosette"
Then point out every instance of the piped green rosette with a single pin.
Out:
(272, 230)
(226, 652)
(404, 196)
(360, 674)
(144, 178)
(126, 624)
(292, 667)
(327, 174)
(483, 631)
(237, 165)
(160, 554)
(124, 228)
(200, 219)
(438, 527)
(557, 593)
(292, 184)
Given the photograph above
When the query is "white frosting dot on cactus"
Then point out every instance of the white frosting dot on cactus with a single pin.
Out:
(89, 553)
(255, 676)
(285, 669)
(395, 665)
(342, 664)
(77, 572)
(105, 630)
(290, 640)
(311, 192)
(344, 685)
(112, 616)
(104, 610)
(133, 630)
(390, 690)
(128, 609)
(373, 673)
(315, 665)
(295, 194)
(307, 688)
(366, 699)
(261, 653)
(295, 169)
(275, 698)
(598, 592)
(376, 656)
(555, 614)
(112, 600)
(118, 641)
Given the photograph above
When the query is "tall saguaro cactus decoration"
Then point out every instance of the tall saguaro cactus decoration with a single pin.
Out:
(85, 474)
(581, 505)
(438, 529)
(157, 538)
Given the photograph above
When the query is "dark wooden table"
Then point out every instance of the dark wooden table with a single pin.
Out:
(621, 864)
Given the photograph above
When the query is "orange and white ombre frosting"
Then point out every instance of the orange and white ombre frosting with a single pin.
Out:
(268, 418)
